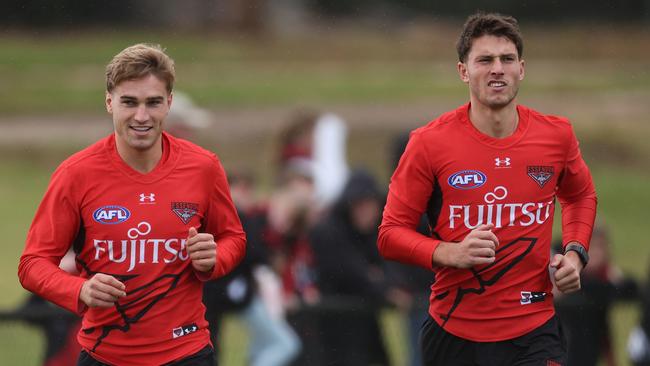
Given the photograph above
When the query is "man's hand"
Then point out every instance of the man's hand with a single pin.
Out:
(202, 250)
(567, 271)
(101, 291)
(478, 247)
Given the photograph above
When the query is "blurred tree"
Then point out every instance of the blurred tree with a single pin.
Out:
(246, 15)
(554, 10)
(255, 15)
(63, 13)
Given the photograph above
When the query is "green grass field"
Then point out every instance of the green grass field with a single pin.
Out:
(52, 72)
(598, 78)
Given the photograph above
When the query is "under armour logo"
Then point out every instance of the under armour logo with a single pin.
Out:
(501, 162)
(151, 197)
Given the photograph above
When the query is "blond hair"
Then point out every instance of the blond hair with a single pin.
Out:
(138, 61)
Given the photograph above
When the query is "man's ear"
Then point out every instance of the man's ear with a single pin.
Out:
(522, 71)
(109, 103)
(462, 72)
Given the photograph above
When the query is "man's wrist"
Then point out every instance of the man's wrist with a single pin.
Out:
(439, 257)
(577, 250)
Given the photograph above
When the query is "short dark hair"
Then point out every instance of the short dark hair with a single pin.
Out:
(493, 24)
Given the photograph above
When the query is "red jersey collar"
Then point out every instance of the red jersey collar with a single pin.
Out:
(166, 164)
(463, 116)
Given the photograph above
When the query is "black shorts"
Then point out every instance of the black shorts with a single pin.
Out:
(205, 357)
(544, 346)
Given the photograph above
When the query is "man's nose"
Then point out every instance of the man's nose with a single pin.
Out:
(141, 114)
(497, 67)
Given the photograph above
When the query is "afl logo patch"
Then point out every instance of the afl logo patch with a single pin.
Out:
(467, 179)
(111, 215)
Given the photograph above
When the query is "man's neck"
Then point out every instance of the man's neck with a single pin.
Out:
(141, 161)
(497, 123)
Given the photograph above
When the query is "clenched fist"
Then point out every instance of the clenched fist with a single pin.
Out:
(202, 250)
(567, 272)
(101, 290)
(478, 247)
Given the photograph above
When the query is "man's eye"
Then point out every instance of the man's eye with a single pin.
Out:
(129, 103)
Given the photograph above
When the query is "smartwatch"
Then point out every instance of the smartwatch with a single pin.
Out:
(582, 252)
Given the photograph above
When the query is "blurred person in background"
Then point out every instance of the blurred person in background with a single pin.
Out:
(487, 175)
(585, 314)
(319, 141)
(352, 277)
(143, 212)
(638, 342)
(185, 118)
(291, 212)
(253, 290)
(60, 327)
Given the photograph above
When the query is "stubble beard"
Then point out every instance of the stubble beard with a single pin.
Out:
(500, 102)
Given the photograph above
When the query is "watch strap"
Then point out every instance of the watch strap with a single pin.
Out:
(582, 252)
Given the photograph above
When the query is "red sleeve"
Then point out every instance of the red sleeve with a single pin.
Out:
(410, 189)
(577, 196)
(51, 234)
(223, 222)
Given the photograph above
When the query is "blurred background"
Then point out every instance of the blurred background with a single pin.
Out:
(252, 68)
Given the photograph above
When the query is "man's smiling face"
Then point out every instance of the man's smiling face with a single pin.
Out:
(139, 108)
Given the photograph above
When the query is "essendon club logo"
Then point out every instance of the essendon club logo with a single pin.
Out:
(541, 174)
(185, 210)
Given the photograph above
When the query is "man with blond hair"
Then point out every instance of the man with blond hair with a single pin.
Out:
(149, 217)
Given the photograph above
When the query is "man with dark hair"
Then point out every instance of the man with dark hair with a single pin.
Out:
(144, 213)
(487, 174)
